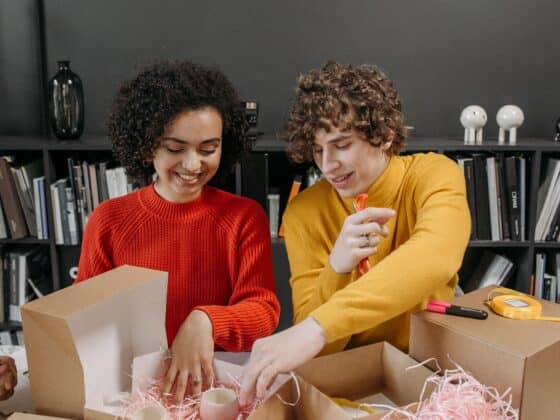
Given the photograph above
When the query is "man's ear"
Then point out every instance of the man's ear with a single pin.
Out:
(387, 146)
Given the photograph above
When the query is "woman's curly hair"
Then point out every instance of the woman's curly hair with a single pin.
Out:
(346, 97)
(144, 106)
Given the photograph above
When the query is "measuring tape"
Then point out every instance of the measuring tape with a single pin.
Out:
(516, 305)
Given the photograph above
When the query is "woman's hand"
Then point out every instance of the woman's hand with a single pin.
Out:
(192, 354)
(281, 352)
(8, 377)
(359, 237)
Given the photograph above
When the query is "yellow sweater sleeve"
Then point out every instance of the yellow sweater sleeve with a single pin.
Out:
(425, 262)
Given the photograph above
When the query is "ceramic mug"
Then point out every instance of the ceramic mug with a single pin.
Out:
(219, 404)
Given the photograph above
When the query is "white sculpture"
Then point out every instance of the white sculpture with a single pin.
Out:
(473, 118)
(509, 118)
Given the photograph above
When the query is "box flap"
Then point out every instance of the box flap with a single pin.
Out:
(357, 372)
(522, 338)
(85, 337)
(67, 301)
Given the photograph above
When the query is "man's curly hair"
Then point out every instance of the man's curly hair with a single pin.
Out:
(146, 105)
(347, 97)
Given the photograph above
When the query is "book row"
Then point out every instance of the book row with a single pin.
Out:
(23, 194)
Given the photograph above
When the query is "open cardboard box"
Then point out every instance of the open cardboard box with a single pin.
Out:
(376, 373)
(81, 340)
(499, 352)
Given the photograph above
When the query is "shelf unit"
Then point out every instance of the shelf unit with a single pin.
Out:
(536, 149)
(54, 151)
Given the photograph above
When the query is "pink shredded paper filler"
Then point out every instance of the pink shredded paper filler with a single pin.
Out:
(459, 396)
(149, 394)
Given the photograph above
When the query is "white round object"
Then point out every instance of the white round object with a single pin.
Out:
(219, 404)
(473, 116)
(509, 116)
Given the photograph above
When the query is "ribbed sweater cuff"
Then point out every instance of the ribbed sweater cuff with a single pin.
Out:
(221, 329)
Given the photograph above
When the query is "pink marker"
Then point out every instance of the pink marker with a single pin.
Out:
(443, 307)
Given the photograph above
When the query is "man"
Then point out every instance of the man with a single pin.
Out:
(413, 231)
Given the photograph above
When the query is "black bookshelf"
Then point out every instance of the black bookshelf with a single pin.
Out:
(281, 171)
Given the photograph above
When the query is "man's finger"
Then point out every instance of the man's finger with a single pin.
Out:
(249, 379)
(380, 215)
(264, 381)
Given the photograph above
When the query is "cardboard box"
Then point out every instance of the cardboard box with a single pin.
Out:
(81, 340)
(27, 416)
(376, 373)
(499, 352)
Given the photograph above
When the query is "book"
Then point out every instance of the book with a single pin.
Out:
(545, 197)
(273, 213)
(502, 196)
(10, 201)
(3, 227)
(540, 264)
(492, 269)
(482, 200)
(94, 185)
(468, 170)
(512, 197)
(26, 203)
(523, 195)
(495, 222)
(37, 205)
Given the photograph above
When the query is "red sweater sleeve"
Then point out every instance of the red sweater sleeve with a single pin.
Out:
(253, 309)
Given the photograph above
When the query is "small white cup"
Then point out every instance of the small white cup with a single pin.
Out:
(219, 404)
(150, 413)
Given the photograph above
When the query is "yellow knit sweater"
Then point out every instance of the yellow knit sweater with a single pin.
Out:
(418, 261)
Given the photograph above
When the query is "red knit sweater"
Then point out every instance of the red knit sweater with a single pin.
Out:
(216, 250)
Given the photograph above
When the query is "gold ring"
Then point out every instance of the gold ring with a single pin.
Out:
(196, 380)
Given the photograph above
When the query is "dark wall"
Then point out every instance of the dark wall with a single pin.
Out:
(443, 55)
(20, 111)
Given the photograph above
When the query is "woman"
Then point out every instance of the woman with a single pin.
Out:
(182, 121)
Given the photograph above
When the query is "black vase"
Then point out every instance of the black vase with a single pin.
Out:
(66, 103)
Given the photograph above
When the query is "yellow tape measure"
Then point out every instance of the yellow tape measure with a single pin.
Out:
(516, 305)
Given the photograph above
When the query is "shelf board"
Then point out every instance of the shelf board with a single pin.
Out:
(25, 241)
(550, 244)
(22, 142)
(498, 244)
(272, 142)
(90, 142)
(492, 145)
(38, 143)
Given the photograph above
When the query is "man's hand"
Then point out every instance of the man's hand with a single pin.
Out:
(281, 352)
(359, 237)
(8, 377)
(192, 354)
